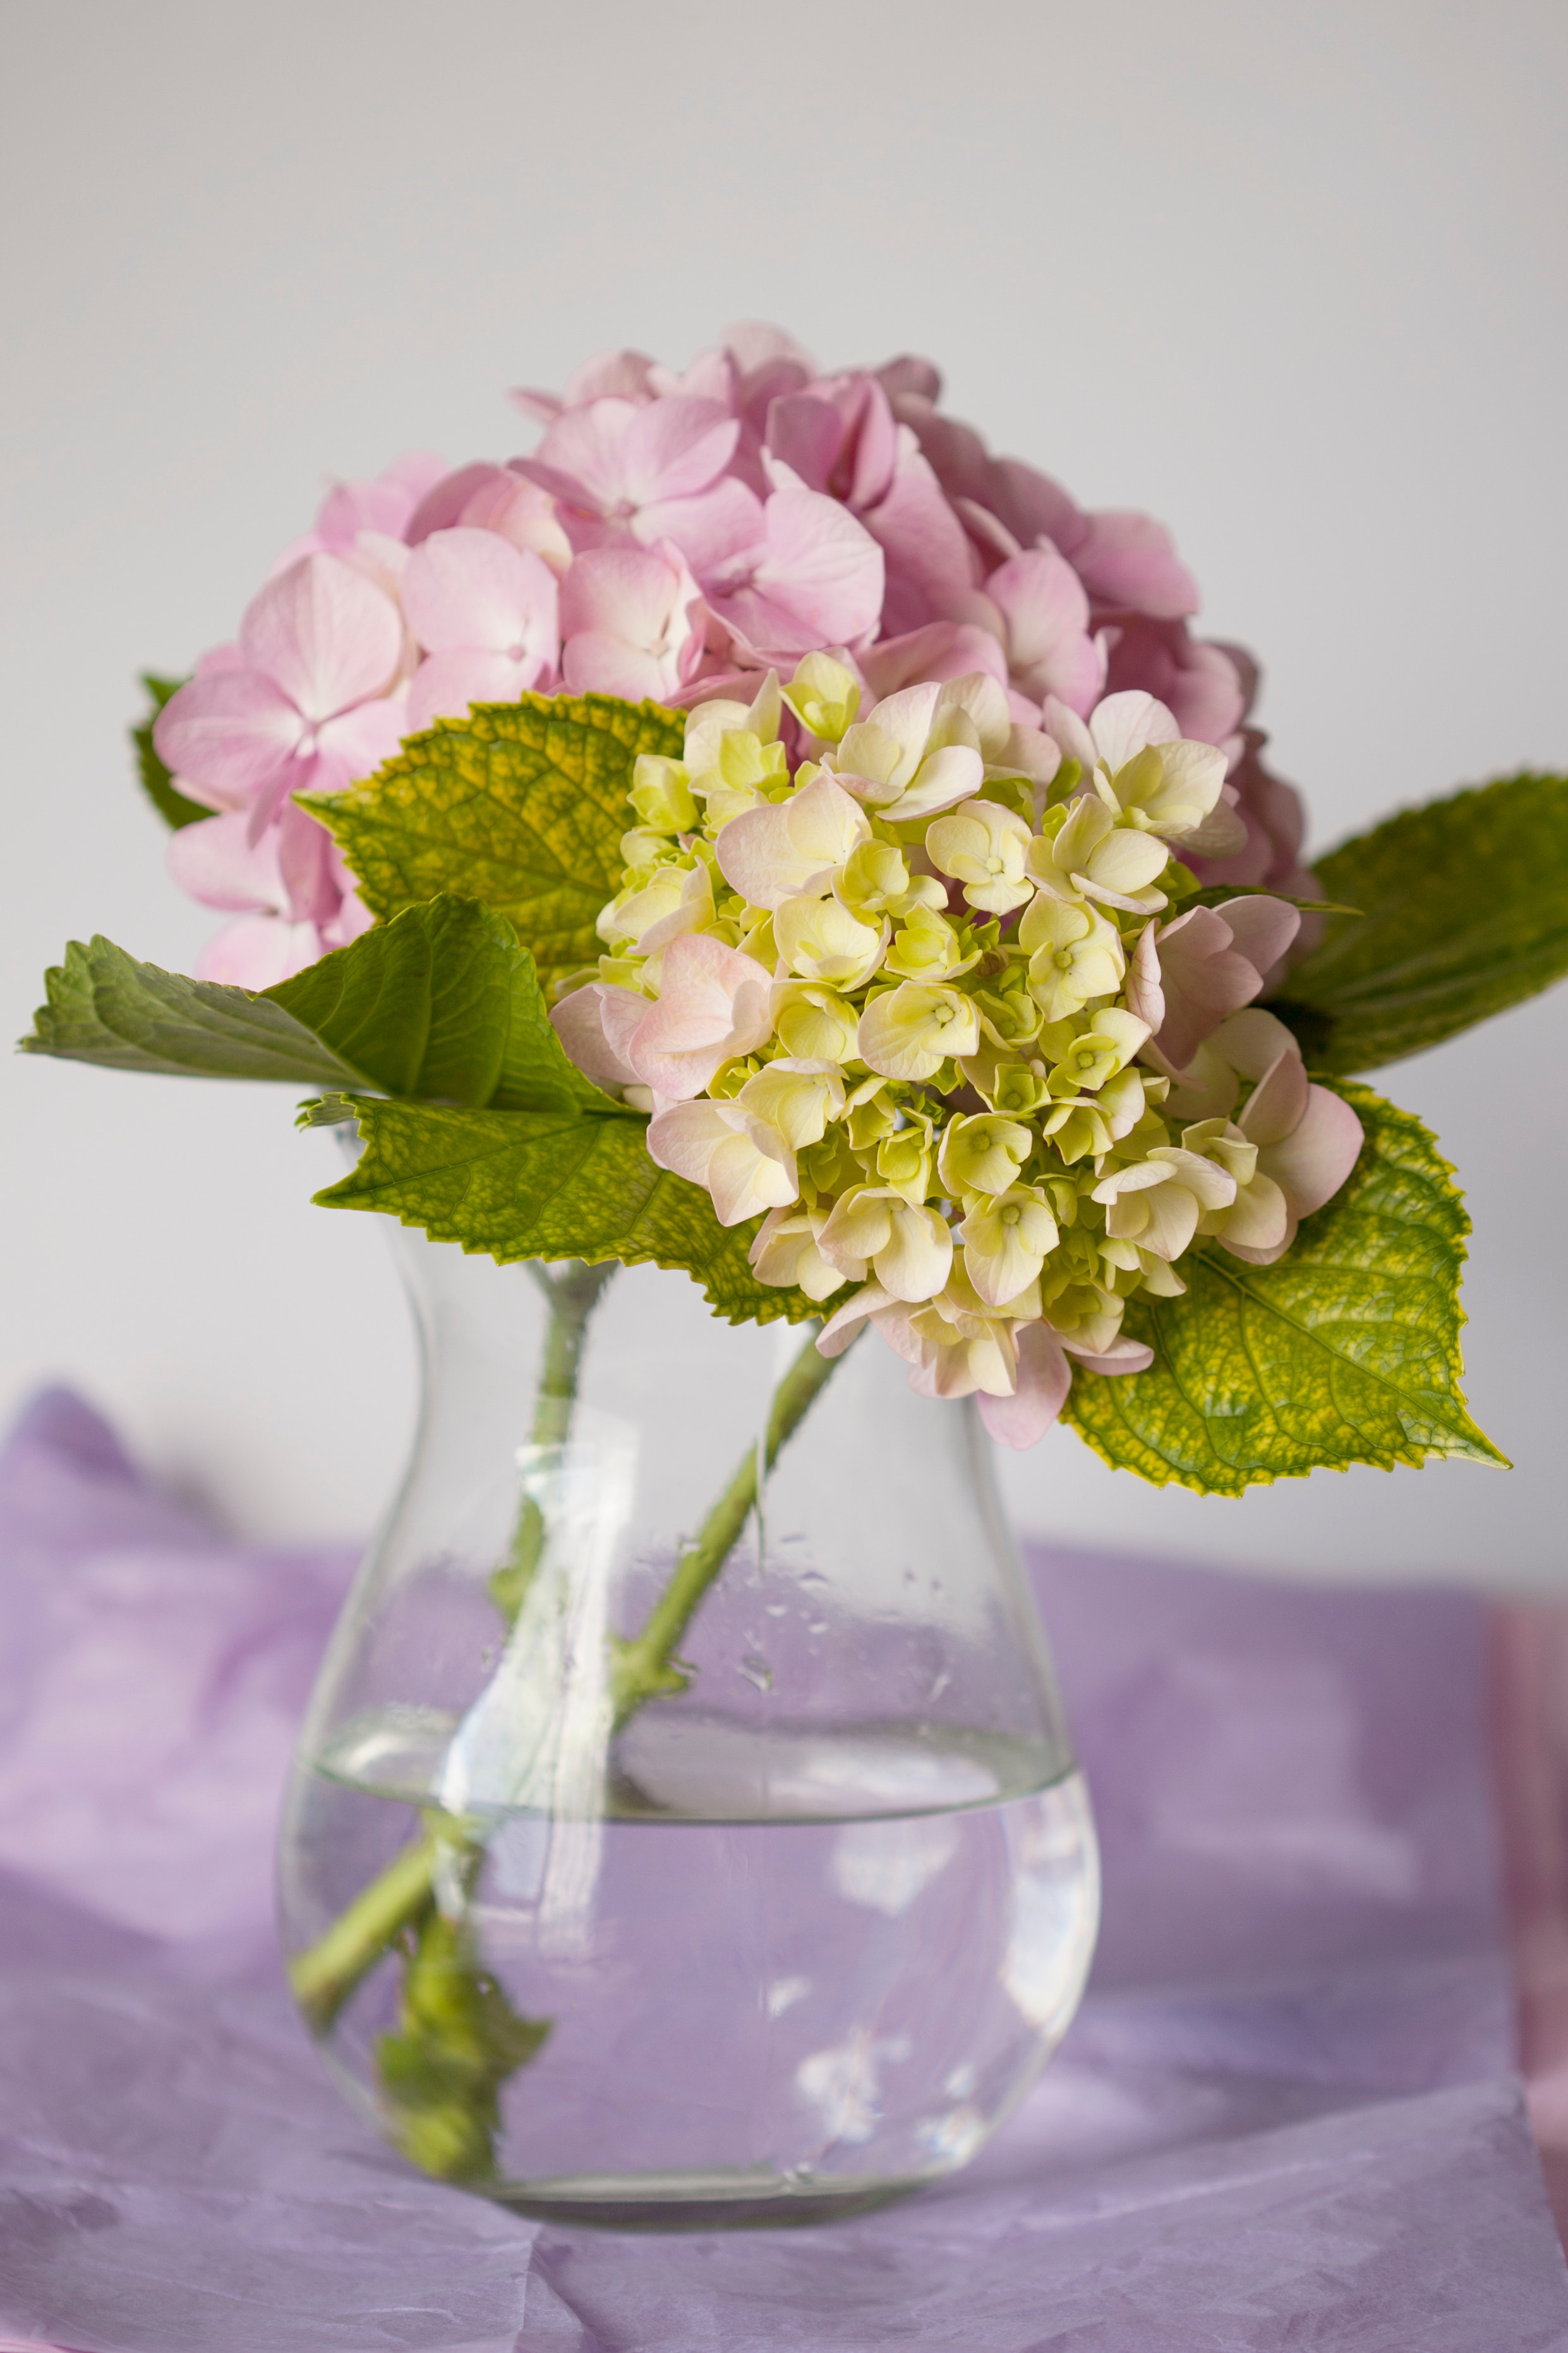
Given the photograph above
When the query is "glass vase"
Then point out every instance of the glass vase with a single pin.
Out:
(684, 1831)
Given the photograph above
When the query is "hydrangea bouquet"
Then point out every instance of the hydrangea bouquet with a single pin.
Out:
(763, 833)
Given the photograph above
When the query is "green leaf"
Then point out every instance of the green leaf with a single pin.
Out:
(103, 1007)
(1465, 912)
(521, 805)
(441, 1002)
(1347, 1350)
(156, 781)
(521, 1185)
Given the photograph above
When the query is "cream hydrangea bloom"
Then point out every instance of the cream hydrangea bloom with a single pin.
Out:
(984, 847)
(820, 940)
(909, 1249)
(1000, 1111)
(1007, 1239)
(1089, 855)
(910, 1031)
(1074, 955)
(982, 1153)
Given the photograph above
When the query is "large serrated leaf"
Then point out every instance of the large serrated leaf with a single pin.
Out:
(521, 805)
(103, 1007)
(442, 1003)
(156, 781)
(1465, 912)
(521, 1185)
(1347, 1350)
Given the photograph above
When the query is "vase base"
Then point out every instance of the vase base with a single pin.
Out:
(697, 2202)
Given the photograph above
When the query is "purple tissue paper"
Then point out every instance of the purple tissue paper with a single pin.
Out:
(1286, 2118)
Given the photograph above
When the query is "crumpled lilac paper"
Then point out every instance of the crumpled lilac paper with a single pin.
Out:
(1287, 2116)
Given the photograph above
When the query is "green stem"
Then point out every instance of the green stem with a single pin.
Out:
(323, 1977)
(573, 1296)
(645, 1668)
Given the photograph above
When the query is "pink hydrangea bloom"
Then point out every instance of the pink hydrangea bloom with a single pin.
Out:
(487, 615)
(675, 535)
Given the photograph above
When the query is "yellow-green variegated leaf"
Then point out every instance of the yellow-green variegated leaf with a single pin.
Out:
(550, 1185)
(521, 805)
(1347, 1350)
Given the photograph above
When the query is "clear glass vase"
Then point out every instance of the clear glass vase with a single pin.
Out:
(684, 1831)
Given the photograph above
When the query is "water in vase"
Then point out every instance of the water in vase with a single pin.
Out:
(783, 1969)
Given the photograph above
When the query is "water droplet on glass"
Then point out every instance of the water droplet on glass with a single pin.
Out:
(757, 1671)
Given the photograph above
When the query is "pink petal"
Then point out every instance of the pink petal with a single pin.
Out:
(845, 1321)
(215, 862)
(926, 551)
(684, 1136)
(622, 592)
(1032, 506)
(324, 633)
(1200, 683)
(756, 343)
(257, 951)
(942, 650)
(1145, 996)
(1042, 600)
(806, 432)
(358, 742)
(383, 504)
(722, 528)
(593, 663)
(1314, 1161)
(445, 685)
(818, 581)
(472, 588)
(713, 1005)
(1044, 1376)
(595, 1024)
(444, 503)
(1129, 559)
(624, 372)
(1204, 978)
(1262, 928)
(308, 867)
(677, 448)
(226, 734)
(353, 919)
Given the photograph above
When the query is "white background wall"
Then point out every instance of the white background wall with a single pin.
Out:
(1290, 276)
